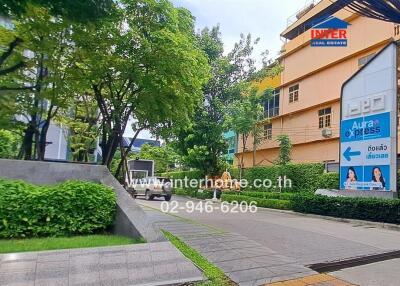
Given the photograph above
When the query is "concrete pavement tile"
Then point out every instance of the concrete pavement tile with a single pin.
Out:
(52, 282)
(84, 278)
(84, 268)
(236, 265)
(116, 282)
(23, 277)
(14, 257)
(18, 266)
(26, 283)
(114, 274)
(288, 269)
(250, 274)
(187, 270)
(141, 275)
(217, 256)
(137, 259)
(52, 273)
(52, 265)
(118, 258)
(167, 272)
(84, 260)
(64, 256)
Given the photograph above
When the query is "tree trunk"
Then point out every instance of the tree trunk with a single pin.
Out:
(112, 146)
(125, 154)
(27, 142)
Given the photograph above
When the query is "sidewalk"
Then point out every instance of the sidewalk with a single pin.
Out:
(141, 264)
(243, 260)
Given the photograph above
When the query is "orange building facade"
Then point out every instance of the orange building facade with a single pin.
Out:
(306, 106)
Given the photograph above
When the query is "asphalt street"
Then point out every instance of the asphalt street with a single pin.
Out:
(308, 240)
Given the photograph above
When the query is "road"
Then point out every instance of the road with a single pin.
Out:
(308, 240)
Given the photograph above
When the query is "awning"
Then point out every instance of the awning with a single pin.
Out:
(385, 10)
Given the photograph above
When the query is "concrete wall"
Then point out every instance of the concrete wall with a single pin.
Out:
(130, 220)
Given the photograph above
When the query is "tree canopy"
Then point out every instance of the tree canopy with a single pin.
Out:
(81, 11)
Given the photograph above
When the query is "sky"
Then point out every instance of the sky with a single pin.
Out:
(265, 19)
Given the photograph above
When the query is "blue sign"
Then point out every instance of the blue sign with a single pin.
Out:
(365, 178)
(368, 127)
(365, 128)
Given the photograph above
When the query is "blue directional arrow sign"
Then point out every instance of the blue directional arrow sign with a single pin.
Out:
(348, 154)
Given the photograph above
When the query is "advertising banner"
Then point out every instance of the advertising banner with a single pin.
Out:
(368, 129)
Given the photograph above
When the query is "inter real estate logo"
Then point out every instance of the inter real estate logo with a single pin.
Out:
(331, 32)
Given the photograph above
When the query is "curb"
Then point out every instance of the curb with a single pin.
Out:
(383, 225)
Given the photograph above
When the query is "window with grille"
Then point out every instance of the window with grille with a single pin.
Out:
(324, 117)
(271, 106)
(268, 131)
(294, 93)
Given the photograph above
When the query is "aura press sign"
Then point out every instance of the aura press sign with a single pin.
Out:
(368, 128)
(330, 32)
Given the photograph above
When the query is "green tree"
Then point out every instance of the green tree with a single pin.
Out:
(202, 143)
(8, 144)
(72, 9)
(164, 157)
(47, 70)
(80, 11)
(244, 118)
(285, 150)
(142, 63)
(81, 118)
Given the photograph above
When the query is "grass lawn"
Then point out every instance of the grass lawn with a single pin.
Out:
(51, 243)
(215, 275)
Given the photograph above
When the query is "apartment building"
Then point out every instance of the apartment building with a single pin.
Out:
(306, 105)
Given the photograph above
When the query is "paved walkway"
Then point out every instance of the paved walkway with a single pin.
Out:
(270, 246)
(245, 261)
(141, 264)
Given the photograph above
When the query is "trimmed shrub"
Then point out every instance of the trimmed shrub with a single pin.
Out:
(195, 174)
(69, 208)
(264, 203)
(329, 181)
(194, 193)
(263, 195)
(304, 177)
(381, 210)
(184, 192)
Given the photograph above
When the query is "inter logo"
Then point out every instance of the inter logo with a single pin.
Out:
(331, 32)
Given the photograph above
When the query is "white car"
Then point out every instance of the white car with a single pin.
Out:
(151, 187)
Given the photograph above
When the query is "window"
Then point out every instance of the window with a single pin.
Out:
(294, 93)
(362, 61)
(268, 131)
(396, 30)
(324, 117)
(271, 106)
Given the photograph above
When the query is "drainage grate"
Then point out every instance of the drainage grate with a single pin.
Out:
(338, 265)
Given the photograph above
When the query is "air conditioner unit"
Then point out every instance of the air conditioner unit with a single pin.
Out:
(327, 133)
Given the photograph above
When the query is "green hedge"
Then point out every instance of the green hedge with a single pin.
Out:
(263, 195)
(265, 203)
(195, 174)
(329, 181)
(69, 208)
(194, 193)
(305, 177)
(381, 210)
